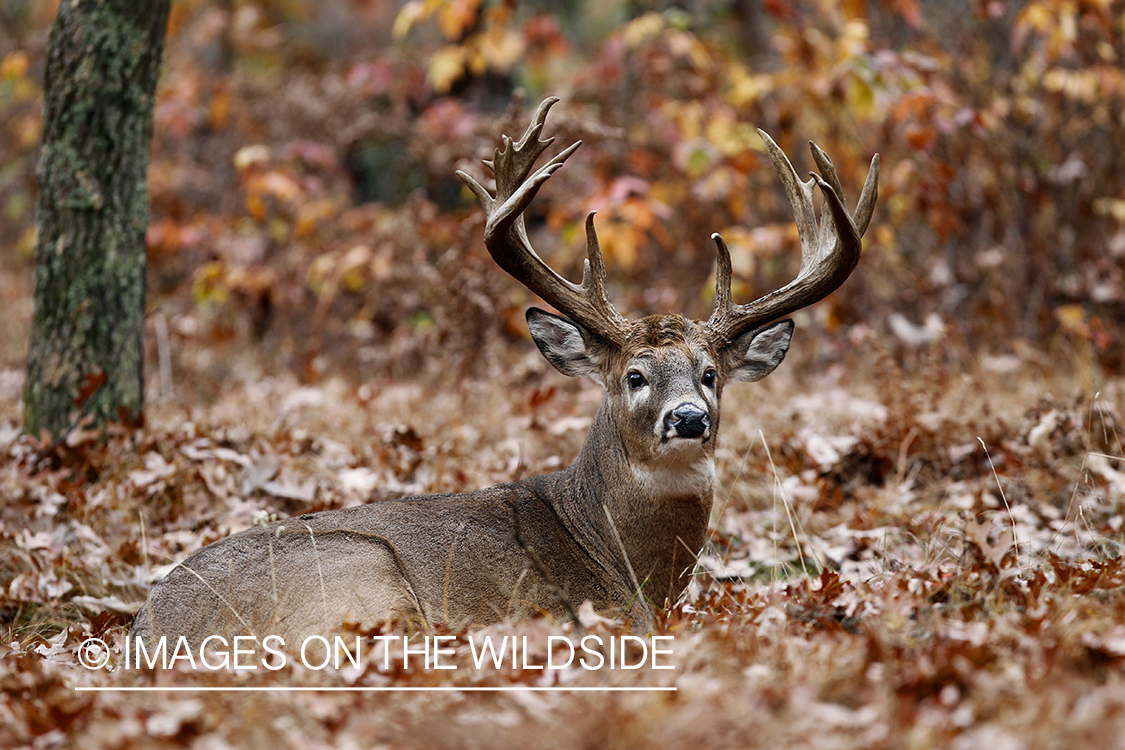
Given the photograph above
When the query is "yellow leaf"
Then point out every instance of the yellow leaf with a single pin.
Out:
(278, 230)
(320, 270)
(28, 129)
(356, 258)
(208, 284)
(640, 30)
(1110, 207)
(503, 50)
(446, 66)
(353, 280)
(410, 14)
(279, 185)
(619, 243)
(256, 207)
(249, 156)
(310, 215)
(456, 17)
(1072, 319)
(25, 247)
(15, 66)
(861, 97)
(747, 88)
(884, 235)
(218, 111)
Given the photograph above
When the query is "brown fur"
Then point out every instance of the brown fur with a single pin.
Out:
(620, 527)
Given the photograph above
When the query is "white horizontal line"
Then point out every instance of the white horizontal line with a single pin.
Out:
(405, 689)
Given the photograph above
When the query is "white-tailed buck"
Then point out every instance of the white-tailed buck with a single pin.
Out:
(620, 527)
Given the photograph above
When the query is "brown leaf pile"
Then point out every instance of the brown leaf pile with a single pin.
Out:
(877, 576)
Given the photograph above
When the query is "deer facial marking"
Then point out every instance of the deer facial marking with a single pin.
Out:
(664, 383)
(663, 387)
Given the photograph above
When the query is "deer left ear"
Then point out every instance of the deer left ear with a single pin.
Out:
(756, 353)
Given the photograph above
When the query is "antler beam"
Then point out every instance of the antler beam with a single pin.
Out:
(829, 253)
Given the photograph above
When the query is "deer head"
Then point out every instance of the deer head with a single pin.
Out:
(664, 374)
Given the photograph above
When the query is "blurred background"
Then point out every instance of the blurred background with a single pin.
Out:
(306, 215)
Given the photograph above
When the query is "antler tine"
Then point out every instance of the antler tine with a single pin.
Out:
(594, 285)
(829, 253)
(520, 157)
(866, 205)
(827, 171)
(800, 196)
(505, 235)
(723, 272)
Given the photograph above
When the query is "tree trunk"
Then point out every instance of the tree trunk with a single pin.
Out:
(86, 354)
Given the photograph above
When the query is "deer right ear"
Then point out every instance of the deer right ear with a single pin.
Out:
(755, 354)
(563, 344)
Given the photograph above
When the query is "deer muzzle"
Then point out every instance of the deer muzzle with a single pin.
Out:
(687, 421)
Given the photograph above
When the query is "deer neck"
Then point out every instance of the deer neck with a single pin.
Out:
(655, 514)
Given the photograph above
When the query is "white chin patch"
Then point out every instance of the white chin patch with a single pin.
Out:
(673, 442)
(671, 436)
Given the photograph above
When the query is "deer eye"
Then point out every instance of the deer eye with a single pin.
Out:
(709, 378)
(635, 380)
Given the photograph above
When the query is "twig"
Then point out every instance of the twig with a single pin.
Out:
(793, 524)
(163, 356)
(625, 555)
(1011, 517)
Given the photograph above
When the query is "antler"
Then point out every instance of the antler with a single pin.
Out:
(828, 255)
(506, 238)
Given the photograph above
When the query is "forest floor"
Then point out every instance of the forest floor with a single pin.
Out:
(917, 532)
(908, 550)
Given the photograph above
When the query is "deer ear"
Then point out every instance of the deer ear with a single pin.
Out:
(565, 344)
(756, 353)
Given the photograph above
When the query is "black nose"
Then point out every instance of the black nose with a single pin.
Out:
(688, 420)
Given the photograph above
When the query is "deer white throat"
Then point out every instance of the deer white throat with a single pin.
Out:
(672, 478)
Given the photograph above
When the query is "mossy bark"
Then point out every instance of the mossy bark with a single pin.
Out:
(103, 62)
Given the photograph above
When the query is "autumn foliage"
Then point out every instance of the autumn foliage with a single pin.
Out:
(917, 536)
